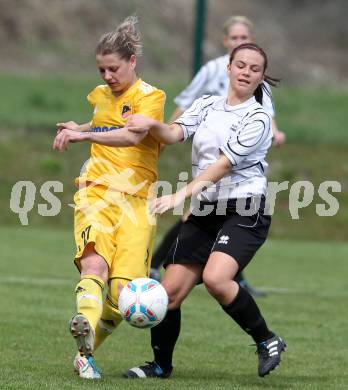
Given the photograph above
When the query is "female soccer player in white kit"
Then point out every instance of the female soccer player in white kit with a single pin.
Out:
(231, 137)
(212, 79)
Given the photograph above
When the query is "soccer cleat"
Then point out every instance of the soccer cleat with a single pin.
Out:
(86, 368)
(148, 370)
(79, 361)
(82, 333)
(269, 352)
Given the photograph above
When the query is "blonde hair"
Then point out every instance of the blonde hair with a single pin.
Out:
(125, 40)
(237, 20)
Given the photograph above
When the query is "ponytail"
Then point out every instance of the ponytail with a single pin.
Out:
(261, 87)
(125, 40)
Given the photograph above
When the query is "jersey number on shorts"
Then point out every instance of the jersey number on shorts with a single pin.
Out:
(85, 235)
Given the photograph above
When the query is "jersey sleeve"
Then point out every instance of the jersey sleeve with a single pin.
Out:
(191, 118)
(195, 89)
(92, 97)
(267, 99)
(152, 105)
(252, 133)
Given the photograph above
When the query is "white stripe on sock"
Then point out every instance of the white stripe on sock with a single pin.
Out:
(89, 296)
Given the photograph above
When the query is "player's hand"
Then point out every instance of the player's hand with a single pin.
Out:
(139, 123)
(71, 125)
(66, 136)
(166, 202)
(279, 138)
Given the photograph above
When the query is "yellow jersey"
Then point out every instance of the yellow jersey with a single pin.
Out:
(127, 169)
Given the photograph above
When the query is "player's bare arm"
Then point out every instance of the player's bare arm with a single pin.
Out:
(120, 138)
(279, 137)
(71, 125)
(207, 178)
(166, 134)
(176, 114)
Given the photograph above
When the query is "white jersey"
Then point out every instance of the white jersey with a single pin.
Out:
(241, 132)
(212, 79)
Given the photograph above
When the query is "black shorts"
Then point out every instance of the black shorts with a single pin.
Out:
(239, 236)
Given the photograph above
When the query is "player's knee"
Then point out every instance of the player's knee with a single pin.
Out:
(213, 284)
(93, 264)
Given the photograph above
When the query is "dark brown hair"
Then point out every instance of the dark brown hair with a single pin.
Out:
(274, 82)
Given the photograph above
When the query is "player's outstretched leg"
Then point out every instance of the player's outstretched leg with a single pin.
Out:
(111, 316)
(82, 326)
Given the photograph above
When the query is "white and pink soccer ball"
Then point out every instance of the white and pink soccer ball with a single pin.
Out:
(143, 302)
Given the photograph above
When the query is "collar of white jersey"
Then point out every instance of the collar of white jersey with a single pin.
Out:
(240, 106)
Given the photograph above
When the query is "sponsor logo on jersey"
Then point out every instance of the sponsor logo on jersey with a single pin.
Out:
(126, 110)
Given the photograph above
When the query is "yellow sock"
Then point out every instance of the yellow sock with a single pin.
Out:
(111, 317)
(89, 298)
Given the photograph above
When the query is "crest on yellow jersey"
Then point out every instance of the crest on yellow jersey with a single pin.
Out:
(126, 110)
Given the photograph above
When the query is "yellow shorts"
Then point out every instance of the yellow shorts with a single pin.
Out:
(120, 227)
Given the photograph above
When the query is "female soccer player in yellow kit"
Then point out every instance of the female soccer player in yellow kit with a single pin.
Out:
(113, 232)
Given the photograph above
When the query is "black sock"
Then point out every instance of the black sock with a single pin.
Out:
(164, 337)
(161, 252)
(244, 310)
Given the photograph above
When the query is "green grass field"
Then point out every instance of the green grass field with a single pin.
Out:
(306, 305)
